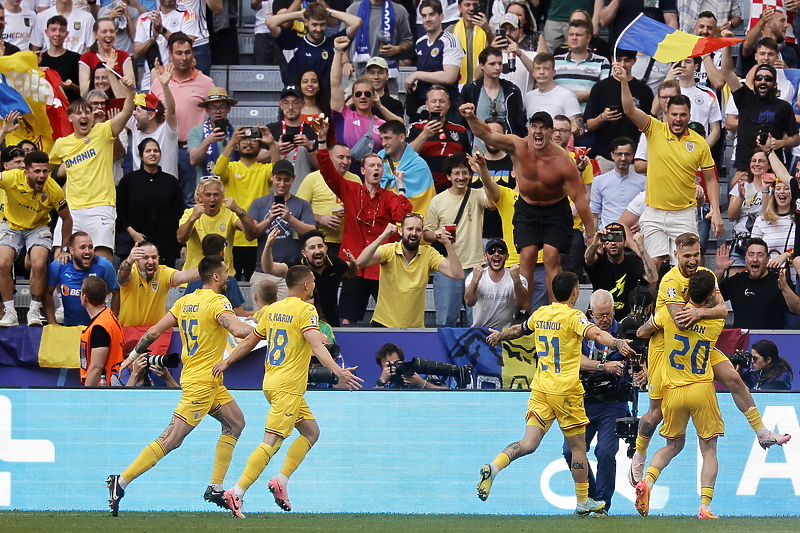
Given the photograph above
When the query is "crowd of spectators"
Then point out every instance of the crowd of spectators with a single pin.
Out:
(381, 183)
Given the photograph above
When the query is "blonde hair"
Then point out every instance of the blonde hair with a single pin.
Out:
(205, 183)
(771, 209)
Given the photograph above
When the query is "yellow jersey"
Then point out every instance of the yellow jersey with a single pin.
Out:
(587, 177)
(316, 192)
(244, 184)
(89, 162)
(559, 331)
(144, 302)
(224, 223)
(691, 352)
(404, 305)
(203, 337)
(673, 165)
(26, 208)
(288, 351)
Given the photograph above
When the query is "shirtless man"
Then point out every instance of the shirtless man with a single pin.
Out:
(546, 175)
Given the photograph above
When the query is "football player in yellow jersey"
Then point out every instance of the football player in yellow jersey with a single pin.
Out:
(673, 294)
(203, 318)
(291, 330)
(688, 391)
(556, 392)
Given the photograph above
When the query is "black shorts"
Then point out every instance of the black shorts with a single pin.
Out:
(354, 297)
(540, 225)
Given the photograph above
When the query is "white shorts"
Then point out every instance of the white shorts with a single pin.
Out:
(98, 222)
(661, 227)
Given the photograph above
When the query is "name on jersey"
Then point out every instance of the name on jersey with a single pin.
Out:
(281, 317)
(697, 328)
(543, 324)
(88, 154)
(191, 308)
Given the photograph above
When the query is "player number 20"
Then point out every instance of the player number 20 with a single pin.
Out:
(699, 357)
(276, 349)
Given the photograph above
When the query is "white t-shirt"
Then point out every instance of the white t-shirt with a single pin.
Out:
(261, 17)
(19, 27)
(637, 204)
(167, 140)
(174, 21)
(83, 5)
(496, 305)
(705, 106)
(521, 77)
(556, 101)
(752, 205)
(79, 26)
(123, 138)
(198, 7)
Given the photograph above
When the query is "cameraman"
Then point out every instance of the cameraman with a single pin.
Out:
(142, 374)
(610, 268)
(768, 371)
(387, 358)
(603, 409)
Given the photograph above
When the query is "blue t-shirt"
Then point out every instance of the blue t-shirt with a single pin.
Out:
(232, 291)
(70, 279)
(317, 57)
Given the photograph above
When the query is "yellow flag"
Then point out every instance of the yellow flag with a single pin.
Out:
(23, 74)
(60, 346)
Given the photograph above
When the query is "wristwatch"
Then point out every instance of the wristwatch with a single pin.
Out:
(65, 249)
(601, 367)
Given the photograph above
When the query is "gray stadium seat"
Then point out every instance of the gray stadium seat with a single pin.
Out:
(254, 83)
(249, 115)
(220, 76)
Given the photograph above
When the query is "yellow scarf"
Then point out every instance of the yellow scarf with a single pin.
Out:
(478, 44)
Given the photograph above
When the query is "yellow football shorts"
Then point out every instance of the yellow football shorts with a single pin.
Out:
(655, 370)
(697, 401)
(567, 409)
(286, 410)
(200, 399)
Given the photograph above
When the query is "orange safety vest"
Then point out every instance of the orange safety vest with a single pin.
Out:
(106, 320)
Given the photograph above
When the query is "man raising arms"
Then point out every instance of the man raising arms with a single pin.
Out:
(291, 329)
(546, 175)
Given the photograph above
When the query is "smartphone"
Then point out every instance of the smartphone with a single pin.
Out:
(221, 123)
(287, 138)
(501, 33)
(436, 116)
(614, 108)
(280, 199)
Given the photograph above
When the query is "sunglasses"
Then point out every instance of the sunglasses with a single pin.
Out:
(415, 215)
(762, 77)
(496, 250)
(206, 178)
(365, 94)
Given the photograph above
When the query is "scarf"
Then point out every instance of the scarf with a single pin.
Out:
(212, 154)
(362, 51)
(418, 179)
(478, 44)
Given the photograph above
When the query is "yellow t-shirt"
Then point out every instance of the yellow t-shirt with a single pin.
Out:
(673, 165)
(144, 302)
(587, 177)
(89, 162)
(224, 223)
(288, 351)
(26, 208)
(403, 304)
(691, 352)
(315, 191)
(244, 184)
(559, 331)
(443, 210)
(202, 335)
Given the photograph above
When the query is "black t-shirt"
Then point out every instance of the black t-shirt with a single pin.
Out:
(392, 104)
(328, 287)
(755, 112)
(501, 172)
(67, 67)
(606, 93)
(757, 303)
(99, 337)
(619, 279)
(630, 9)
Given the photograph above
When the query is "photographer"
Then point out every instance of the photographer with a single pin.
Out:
(143, 374)
(387, 358)
(760, 296)
(605, 399)
(768, 370)
(610, 268)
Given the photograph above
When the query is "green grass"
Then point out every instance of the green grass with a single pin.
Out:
(64, 522)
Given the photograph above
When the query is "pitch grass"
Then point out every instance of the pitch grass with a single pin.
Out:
(65, 522)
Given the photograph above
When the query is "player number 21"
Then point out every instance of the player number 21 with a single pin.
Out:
(556, 347)
(276, 351)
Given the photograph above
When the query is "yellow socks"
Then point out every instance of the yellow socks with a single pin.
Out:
(295, 455)
(151, 454)
(754, 417)
(222, 458)
(582, 491)
(641, 444)
(652, 474)
(706, 495)
(256, 463)
(501, 461)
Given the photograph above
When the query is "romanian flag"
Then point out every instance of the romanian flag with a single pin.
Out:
(666, 44)
(21, 72)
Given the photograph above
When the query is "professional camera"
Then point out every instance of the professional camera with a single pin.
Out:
(740, 358)
(320, 374)
(462, 374)
(613, 235)
(169, 360)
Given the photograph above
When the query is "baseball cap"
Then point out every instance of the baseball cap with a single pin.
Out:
(543, 116)
(291, 90)
(378, 62)
(283, 165)
(509, 18)
(495, 242)
(615, 226)
(765, 66)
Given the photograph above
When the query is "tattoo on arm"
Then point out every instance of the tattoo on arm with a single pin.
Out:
(225, 321)
(514, 332)
(145, 342)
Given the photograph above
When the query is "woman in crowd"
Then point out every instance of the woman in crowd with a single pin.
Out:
(149, 205)
(316, 98)
(769, 371)
(102, 52)
(776, 225)
(746, 206)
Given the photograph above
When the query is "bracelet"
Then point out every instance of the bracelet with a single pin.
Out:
(241, 213)
(124, 265)
(346, 62)
(339, 51)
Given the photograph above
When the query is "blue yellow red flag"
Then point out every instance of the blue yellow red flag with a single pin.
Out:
(21, 72)
(666, 44)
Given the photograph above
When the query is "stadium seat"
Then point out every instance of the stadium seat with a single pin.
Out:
(253, 115)
(255, 83)
(220, 76)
